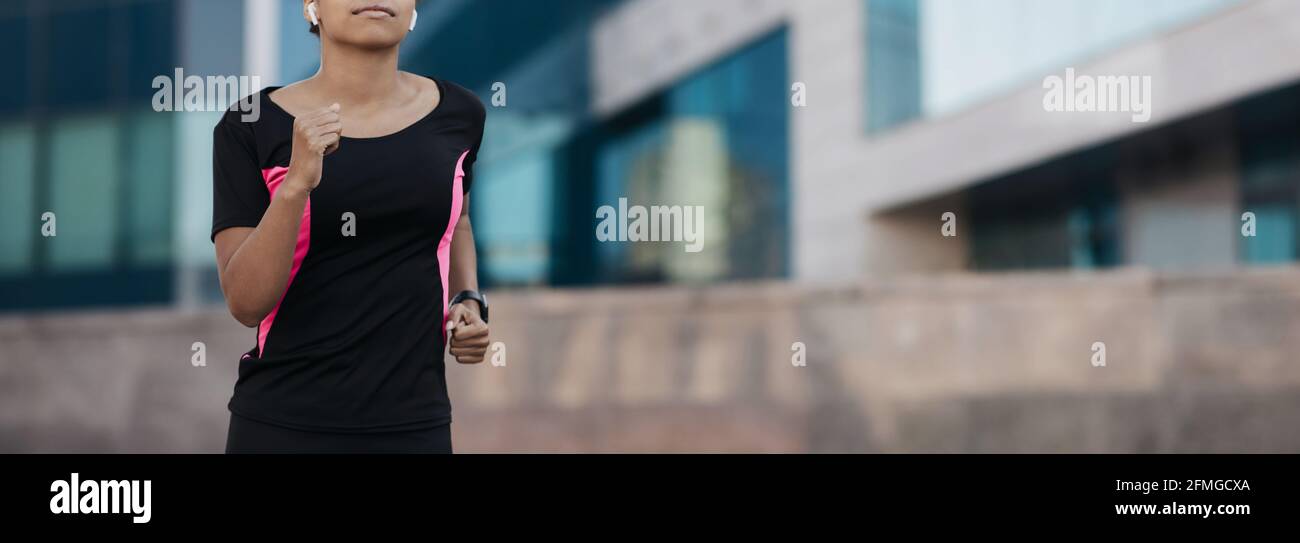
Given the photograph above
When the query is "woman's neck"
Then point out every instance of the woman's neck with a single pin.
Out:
(357, 76)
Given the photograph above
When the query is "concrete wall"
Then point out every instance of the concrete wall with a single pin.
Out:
(960, 363)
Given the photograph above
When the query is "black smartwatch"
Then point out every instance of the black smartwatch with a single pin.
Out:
(472, 295)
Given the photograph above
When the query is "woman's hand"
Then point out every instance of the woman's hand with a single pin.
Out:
(254, 263)
(468, 333)
(315, 135)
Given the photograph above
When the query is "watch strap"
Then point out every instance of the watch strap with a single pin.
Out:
(472, 295)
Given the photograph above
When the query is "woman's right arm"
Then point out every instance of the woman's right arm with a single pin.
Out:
(254, 263)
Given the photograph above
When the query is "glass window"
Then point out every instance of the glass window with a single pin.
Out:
(19, 220)
(1275, 235)
(151, 45)
(1095, 231)
(515, 244)
(516, 192)
(628, 167)
(89, 149)
(84, 188)
(975, 50)
(966, 51)
(1269, 128)
(81, 47)
(718, 140)
(1028, 241)
(148, 186)
(893, 63)
(1064, 214)
(14, 41)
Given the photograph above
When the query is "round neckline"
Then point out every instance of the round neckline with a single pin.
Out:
(442, 99)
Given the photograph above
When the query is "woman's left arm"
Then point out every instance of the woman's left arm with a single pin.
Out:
(465, 326)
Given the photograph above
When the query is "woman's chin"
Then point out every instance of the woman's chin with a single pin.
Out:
(373, 38)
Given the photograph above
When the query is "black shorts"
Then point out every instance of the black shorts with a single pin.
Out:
(249, 436)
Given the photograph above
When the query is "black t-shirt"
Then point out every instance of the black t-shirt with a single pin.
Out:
(356, 342)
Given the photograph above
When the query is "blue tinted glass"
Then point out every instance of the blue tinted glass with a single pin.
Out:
(18, 204)
(935, 57)
(720, 143)
(14, 41)
(148, 185)
(84, 183)
(81, 48)
(1064, 214)
(893, 63)
(1269, 147)
(625, 162)
(515, 245)
(152, 46)
(1274, 241)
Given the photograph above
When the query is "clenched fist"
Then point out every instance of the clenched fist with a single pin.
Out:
(315, 135)
(467, 333)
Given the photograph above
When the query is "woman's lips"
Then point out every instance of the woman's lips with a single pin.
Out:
(375, 12)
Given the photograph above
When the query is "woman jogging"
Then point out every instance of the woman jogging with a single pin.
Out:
(342, 232)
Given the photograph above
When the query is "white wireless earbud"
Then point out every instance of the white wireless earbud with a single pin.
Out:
(311, 12)
(414, 15)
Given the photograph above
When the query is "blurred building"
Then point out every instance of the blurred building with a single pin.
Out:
(912, 109)
(827, 141)
(1084, 190)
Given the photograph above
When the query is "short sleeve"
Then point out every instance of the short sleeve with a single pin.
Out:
(478, 119)
(239, 194)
